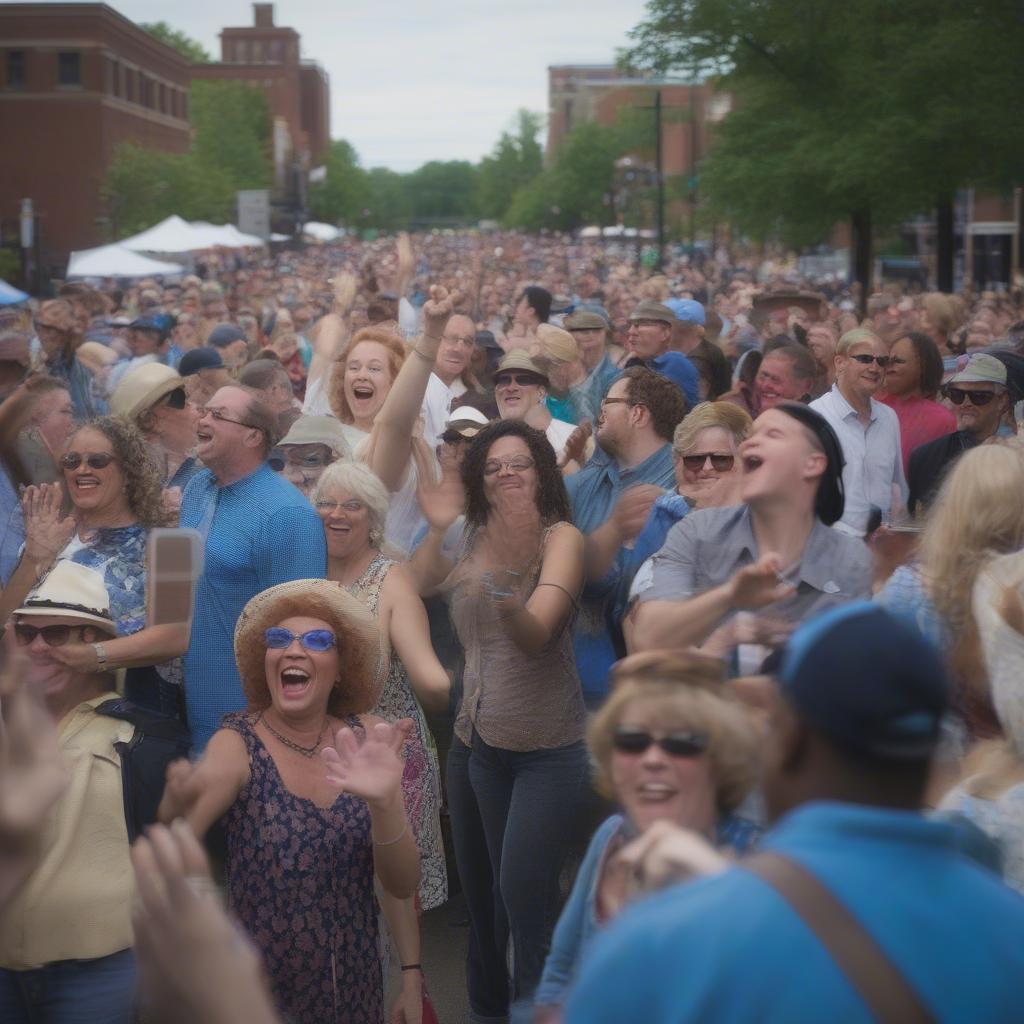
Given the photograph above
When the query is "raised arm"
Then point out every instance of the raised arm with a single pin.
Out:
(393, 428)
(441, 502)
(149, 646)
(332, 331)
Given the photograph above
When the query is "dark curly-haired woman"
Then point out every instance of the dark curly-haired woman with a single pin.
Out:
(518, 765)
(115, 490)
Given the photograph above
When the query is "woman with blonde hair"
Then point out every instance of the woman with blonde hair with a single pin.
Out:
(671, 744)
(979, 513)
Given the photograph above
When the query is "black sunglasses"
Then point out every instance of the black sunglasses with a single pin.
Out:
(977, 398)
(863, 357)
(522, 380)
(53, 636)
(175, 399)
(719, 463)
(676, 744)
(99, 460)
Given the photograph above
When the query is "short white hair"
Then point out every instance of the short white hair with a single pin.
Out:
(363, 484)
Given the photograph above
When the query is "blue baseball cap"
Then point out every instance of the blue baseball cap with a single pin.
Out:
(868, 680)
(681, 372)
(162, 323)
(687, 309)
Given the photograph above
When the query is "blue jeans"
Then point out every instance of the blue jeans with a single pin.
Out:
(100, 991)
(529, 804)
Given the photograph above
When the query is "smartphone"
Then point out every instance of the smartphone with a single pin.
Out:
(174, 563)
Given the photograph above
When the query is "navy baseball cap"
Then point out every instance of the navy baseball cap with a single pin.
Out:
(159, 322)
(681, 372)
(687, 309)
(197, 359)
(868, 680)
(226, 334)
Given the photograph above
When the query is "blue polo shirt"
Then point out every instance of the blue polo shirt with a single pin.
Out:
(260, 531)
(731, 949)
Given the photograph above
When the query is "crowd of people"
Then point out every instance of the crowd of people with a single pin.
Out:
(674, 617)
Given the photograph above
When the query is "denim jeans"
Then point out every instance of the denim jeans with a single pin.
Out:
(529, 804)
(100, 991)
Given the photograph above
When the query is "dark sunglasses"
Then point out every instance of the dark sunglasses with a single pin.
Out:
(175, 399)
(522, 380)
(100, 460)
(53, 636)
(863, 357)
(977, 398)
(676, 744)
(278, 638)
(719, 463)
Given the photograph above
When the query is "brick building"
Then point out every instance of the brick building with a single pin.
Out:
(75, 81)
(267, 56)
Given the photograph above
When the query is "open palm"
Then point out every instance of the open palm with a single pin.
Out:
(371, 769)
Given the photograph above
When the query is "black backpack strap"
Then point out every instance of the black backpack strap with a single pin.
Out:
(878, 981)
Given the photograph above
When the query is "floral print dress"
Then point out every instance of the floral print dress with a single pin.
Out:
(300, 879)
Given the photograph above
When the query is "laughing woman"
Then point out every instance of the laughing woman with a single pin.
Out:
(311, 789)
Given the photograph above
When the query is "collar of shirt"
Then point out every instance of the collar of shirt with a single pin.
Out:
(76, 719)
(845, 410)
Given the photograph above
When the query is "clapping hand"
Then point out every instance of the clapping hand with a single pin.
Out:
(441, 501)
(755, 586)
(47, 530)
(576, 446)
(344, 286)
(371, 769)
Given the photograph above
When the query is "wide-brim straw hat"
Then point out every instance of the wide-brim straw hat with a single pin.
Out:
(363, 661)
(141, 388)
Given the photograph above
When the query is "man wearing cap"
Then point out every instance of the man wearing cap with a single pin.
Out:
(148, 341)
(868, 431)
(232, 344)
(520, 388)
(556, 350)
(853, 724)
(777, 552)
(981, 400)
(592, 333)
(153, 397)
(58, 339)
(650, 337)
(310, 446)
(204, 373)
(688, 338)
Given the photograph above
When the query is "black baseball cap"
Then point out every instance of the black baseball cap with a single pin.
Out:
(197, 359)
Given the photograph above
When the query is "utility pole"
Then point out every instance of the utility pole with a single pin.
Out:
(659, 179)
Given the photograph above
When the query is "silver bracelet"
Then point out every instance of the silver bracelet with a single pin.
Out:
(101, 655)
(400, 836)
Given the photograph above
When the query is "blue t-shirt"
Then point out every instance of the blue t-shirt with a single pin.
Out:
(259, 532)
(732, 950)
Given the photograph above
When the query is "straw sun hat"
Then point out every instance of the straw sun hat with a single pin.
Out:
(360, 644)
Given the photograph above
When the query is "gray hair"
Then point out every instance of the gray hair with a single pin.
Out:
(364, 485)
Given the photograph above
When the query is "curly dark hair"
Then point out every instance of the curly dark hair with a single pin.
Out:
(552, 498)
(143, 481)
(928, 359)
(659, 395)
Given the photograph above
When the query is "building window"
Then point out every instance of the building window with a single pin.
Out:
(69, 70)
(15, 69)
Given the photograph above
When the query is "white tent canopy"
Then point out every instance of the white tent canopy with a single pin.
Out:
(175, 235)
(117, 261)
(321, 232)
(226, 236)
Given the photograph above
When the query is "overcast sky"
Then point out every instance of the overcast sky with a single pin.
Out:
(412, 80)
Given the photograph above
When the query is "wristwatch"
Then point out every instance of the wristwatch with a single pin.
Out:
(101, 655)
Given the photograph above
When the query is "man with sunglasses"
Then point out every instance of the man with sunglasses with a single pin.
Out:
(259, 531)
(868, 431)
(521, 388)
(980, 397)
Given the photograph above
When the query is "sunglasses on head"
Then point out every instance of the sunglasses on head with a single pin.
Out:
(98, 460)
(719, 463)
(867, 360)
(977, 398)
(676, 744)
(278, 638)
(53, 636)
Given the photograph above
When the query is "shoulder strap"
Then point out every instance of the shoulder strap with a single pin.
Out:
(869, 970)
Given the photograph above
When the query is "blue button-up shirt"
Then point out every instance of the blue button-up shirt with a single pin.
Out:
(732, 950)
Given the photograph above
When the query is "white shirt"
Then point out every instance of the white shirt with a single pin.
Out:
(437, 405)
(874, 464)
(558, 432)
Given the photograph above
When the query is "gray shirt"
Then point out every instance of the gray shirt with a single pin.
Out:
(704, 549)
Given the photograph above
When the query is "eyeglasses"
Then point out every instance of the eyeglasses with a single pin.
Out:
(719, 463)
(98, 460)
(348, 506)
(278, 638)
(614, 401)
(521, 380)
(520, 464)
(218, 415)
(175, 399)
(676, 744)
(977, 398)
(53, 636)
(863, 357)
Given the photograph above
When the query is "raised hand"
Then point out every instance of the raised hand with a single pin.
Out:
(576, 446)
(47, 530)
(441, 501)
(633, 508)
(437, 310)
(760, 584)
(371, 769)
(344, 286)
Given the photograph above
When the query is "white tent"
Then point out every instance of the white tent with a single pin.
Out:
(321, 232)
(117, 261)
(225, 236)
(275, 237)
(171, 235)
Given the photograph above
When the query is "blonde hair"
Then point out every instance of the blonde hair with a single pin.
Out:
(855, 337)
(942, 311)
(724, 415)
(396, 356)
(979, 511)
(364, 485)
(691, 685)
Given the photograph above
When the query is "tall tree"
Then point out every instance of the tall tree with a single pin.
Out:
(185, 45)
(232, 130)
(868, 110)
(515, 161)
(345, 193)
(444, 189)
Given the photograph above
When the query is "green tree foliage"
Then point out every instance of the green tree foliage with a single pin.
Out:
(868, 108)
(232, 131)
(515, 161)
(388, 207)
(345, 193)
(185, 45)
(443, 189)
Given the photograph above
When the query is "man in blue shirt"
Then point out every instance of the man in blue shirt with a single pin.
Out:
(851, 732)
(259, 531)
(611, 498)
